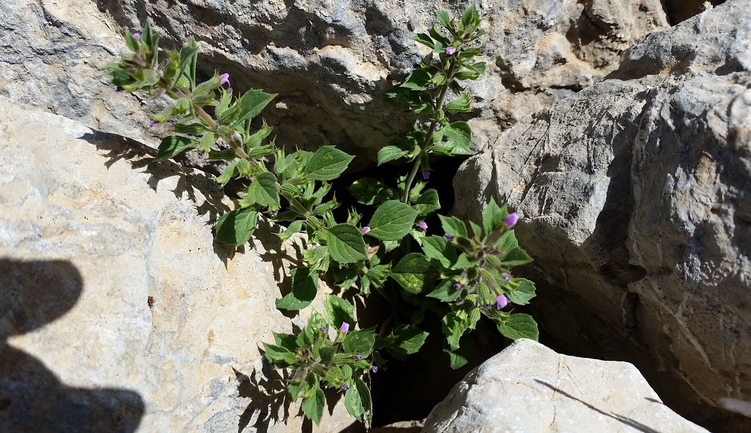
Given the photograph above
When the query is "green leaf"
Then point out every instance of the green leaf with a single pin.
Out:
(264, 190)
(278, 354)
(423, 39)
(470, 16)
(454, 139)
(188, 55)
(231, 171)
(247, 107)
(369, 191)
(346, 244)
(312, 406)
(404, 340)
(437, 248)
(458, 105)
(359, 342)
(445, 292)
(338, 311)
(493, 216)
(414, 273)
(358, 402)
(288, 341)
(458, 358)
(453, 226)
(293, 228)
(417, 80)
(392, 221)
(327, 163)
(390, 153)
(443, 18)
(327, 355)
(453, 328)
(236, 227)
(427, 202)
(516, 257)
(174, 145)
(519, 326)
(523, 292)
(508, 241)
(304, 289)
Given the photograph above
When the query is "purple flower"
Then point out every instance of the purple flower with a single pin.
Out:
(484, 51)
(488, 307)
(345, 327)
(449, 237)
(501, 301)
(511, 219)
(365, 230)
(374, 369)
(137, 36)
(153, 122)
(233, 137)
(201, 154)
(431, 86)
(345, 387)
(224, 79)
(423, 225)
(358, 357)
(324, 329)
(505, 276)
(450, 51)
(426, 174)
(437, 125)
(457, 286)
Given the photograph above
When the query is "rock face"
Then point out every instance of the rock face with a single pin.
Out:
(529, 388)
(635, 198)
(330, 61)
(116, 313)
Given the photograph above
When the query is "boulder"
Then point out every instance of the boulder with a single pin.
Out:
(635, 199)
(528, 388)
(117, 311)
(329, 61)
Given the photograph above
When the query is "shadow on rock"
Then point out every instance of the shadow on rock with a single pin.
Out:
(32, 398)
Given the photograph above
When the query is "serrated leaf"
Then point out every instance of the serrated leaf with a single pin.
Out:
(278, 354)
(458, 358)
(304, 289)
(445, 292)
(188, 54)
(174, 145)
(403, 340)
(414, 273)
(453, 328)
(492, 216)
(392, 221)
(312, 406)
(423, 39)
(236, 227)
(443, 18)
(438, 249)
(288, 341)
(369, 191)
(346, 244)
(247, 107)
(522, 293)
(454, 139)
(427, 203)
(358, 402)
(390, 153)
(453, 226)
(338, 311)
(516, 257)
(359, 342)
(519, 326)
(264, 190)
(417, 80)
(458, 105)
(327, 163)
(293, 228)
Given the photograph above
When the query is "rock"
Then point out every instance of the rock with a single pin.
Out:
(330, 61)
(634, 194)
(530, 388)
(116, 312)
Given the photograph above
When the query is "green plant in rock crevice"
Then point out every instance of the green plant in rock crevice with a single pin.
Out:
(462, 275)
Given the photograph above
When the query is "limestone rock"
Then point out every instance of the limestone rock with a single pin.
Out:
(116, 313)
(634, 195)
(529, 388)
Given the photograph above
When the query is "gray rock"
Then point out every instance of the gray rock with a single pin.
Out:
(528, 388)
(634, 194)
(117, 312)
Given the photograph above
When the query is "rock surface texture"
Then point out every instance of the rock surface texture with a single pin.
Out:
(329, 61)
(636, 195)
(529, 388)
(116, 313)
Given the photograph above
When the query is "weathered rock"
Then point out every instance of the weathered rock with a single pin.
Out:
(330, 61)
(117, 311)
(635, 198)
(530, 388)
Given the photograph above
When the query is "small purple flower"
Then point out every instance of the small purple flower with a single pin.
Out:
(202, 154)
(137, 36)
(437, 125)
(152, 123)
(365, 230)
(345, 387)
(488, 307)
(511, 219)
(505, 276)
(374, 369)
(457, 286)
(450, 51)
(426, 174)
(484, 51)
(358, 357)
(501, 301)
(223, 79)
(273, 215)
(423, 225)
(324, 329)
(233, 137)
(431, 86)
(345, 327)
(449, 237)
